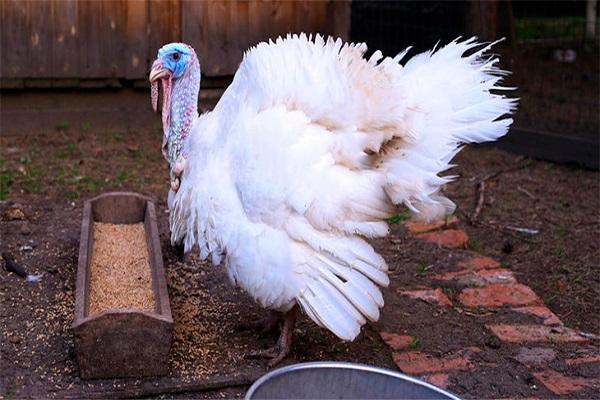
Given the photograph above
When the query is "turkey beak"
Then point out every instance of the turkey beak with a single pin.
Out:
(157, 72)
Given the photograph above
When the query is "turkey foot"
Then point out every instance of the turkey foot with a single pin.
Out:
(278, 352)
(264, 325)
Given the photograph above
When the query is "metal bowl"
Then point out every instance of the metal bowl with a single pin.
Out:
(340, 380)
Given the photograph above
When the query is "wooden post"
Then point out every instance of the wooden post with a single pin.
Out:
(590, 19)
(483, 18)
(491, 19)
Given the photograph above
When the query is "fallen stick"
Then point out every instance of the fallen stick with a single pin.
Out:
(147, 389)
(523, 230)
(526, 193)
(481, 188)
(480, 201)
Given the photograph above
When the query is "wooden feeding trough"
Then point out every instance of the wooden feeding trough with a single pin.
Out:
(121, 330)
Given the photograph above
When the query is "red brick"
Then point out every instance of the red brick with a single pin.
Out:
(519, 398)
(478, 277)
(416, 227)
(535, 333)
(416, 363)
(543, 312)
(439, 380)
(429, 296)
(497, 295)
(452, 238)
(395, 341)
(583, 360)
(535, 356)
(560, 384)
(479, 262)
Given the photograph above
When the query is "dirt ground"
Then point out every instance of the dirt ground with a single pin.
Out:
(48, 174)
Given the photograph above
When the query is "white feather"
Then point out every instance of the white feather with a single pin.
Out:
(308, 152)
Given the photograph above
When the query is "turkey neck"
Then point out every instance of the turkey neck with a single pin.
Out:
(183, 112)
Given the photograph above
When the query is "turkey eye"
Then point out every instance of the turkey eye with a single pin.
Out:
(175, 56)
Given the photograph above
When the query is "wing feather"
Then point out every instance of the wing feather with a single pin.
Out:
(321, 145)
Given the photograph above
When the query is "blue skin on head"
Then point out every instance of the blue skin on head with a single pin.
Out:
(172, 57)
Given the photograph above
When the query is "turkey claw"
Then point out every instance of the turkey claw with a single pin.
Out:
(283, 346)
(276, 354)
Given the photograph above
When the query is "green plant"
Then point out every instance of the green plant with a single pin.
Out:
(475, 245)
(375, 346)
(62, 126)
(89, 184)
(72, 194)
(34, 179)
(85, 126)
(138, 156)
(549, 28)
(122, 176)
(140, 182)
(394, 219)
(415, 343)
(6, 178)
(448, 291)
(421, 268)
(60, 176)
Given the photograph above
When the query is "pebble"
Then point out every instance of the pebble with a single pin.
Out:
(14, 213)
(14, 339)
(25, 229)
(25, 248)
(493, 342)
(535, 355)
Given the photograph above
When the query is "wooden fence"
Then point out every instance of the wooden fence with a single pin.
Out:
(69, 39)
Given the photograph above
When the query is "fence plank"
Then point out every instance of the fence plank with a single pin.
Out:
(165, 23)
(302, 17)
(238, 33)
(119, 38)
(65, 49)
(90, 26)
(194, 27)
(342, 10)
(41, 28)
(113, 35)
(138, 54)
(260, 21)
(15, 39)
(217, 37)
(283, 19)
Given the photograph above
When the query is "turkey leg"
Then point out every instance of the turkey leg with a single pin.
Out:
(278, 352)
(263, 325)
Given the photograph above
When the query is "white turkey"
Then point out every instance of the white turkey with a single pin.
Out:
(305, 156)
